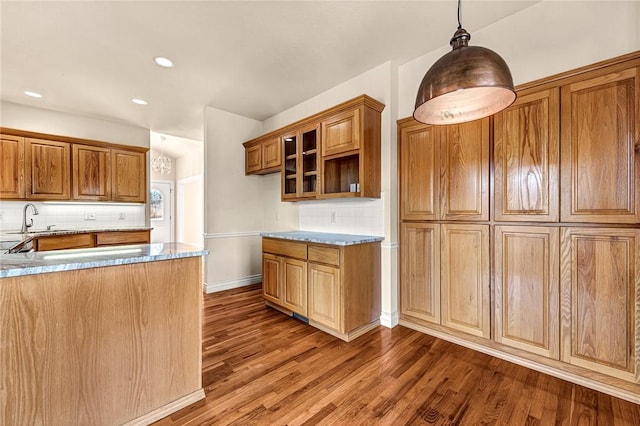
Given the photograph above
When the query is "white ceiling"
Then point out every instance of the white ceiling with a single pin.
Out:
(253, 58)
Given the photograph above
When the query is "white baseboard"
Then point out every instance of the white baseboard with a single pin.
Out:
(228, 285)
(389, 319)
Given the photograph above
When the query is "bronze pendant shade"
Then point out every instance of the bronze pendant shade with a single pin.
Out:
(466, 84)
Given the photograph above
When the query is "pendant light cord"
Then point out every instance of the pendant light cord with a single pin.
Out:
(459, 20)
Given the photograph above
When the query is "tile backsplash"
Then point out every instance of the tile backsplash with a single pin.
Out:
(360, 217)
(71, 216)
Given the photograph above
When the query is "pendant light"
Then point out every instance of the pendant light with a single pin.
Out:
(466, 84)
(161, 163)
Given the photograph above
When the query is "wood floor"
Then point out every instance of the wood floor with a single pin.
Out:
(261, 367)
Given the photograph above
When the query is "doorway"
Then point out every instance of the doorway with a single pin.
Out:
(161, 208)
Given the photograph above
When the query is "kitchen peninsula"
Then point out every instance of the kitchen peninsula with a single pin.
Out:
(106, 335)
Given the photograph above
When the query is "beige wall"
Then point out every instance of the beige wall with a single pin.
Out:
(544, 39)
(58, 123)
(237, 207)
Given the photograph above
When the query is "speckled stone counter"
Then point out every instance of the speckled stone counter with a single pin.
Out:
(18, 264)
(323, 238)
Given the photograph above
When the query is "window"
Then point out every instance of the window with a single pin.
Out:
(156, 205)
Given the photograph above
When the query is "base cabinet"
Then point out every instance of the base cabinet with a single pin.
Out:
(336, 287)
(600, 305)
(527, 288)
(441, 286)
(324, 295)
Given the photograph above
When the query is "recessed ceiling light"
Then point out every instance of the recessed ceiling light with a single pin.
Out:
(32, 94)
(139, 101)
(163, 62)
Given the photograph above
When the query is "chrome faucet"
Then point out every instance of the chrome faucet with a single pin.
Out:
(26, 225)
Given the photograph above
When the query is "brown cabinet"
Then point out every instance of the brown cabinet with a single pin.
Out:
(527, 288)
(336, 287)
(263, 156)
(47, 169)
(332, 154)
(271, 277)
(526, 145)
(61, 168)
(61, 242)
(420, 271)
(114, 238)
(565, 239)
(324, 295)
(285, 274)
(464, 272)
(91, 173)
(419, 155)
(600, 290)
(300, 167)
(600, 140)
(91, 239)
(12, 167)
(128, 176)
(444, 171)
(341, 133)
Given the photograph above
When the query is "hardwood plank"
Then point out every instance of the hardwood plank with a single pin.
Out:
(262, 367)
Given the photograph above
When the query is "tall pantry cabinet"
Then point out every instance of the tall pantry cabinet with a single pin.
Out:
(520, 232)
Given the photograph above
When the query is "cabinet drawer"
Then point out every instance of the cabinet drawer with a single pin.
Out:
(60, 242)
(329, 255)
(284, 248)
(115, 238)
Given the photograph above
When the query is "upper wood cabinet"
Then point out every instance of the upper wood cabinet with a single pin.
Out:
(263, 156)
(464, 167)
(341, 133)
(444, 171)
(47, 169)
(351, 150)
(527, 288)
(526, 148)
(12, 167)
(600, 290)
(91, 173)
(335, 153)
(128, 176)
(62, 168)
(300, 174)
(600, 142)
(419, 152)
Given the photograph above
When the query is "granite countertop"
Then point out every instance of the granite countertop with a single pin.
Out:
(323, 238)
(18, 236)
(18, 264)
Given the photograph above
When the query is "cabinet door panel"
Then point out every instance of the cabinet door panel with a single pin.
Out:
(12, 167)
(464, 167)
(294, 285)
(526, 158)
(340, 133)
(91, 173)
(599, 136)
(271, 153)
(129, 176)
(527, 288)
(271, 271)
(324, 296)
(600, 285)
(465, 278)
(420, 274)
(253, 159)
(48, 166)
(419, 172)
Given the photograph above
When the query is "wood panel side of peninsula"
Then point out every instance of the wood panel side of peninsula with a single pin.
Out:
(108, 345)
